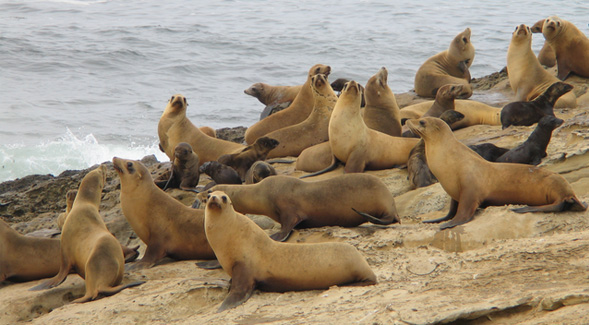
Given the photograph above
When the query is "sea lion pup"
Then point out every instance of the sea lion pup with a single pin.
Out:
(345, 200)
(243, 160)
(255, 261)
(70, 196)
(534, 148)
(358, 146)
(259, 171)
(87, 246)
(273, 96)
(174, 127)
(528, 113)
(419, 173)
(447, 67)
(488, 151)
(570, 46)
(546, 56)
(476, 182)
(220, 174)
(527, 77)
(184, 173)
(381, 112)
(166, 226)
(297, 112)
(314, 129)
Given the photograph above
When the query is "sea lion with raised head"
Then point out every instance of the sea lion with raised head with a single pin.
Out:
(475, 182)
(298, 111)
(546, 56)
(381, 112)
(345, 200)
(184, 173)
(165, 225)
(488, 151)
(253, 260)
(175, 127)
(259, 171)
(273, 96)
(570, 45)
(87, 246)
(527, 77)
(447, 67)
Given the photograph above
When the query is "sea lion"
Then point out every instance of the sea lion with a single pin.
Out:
(184, 173)
(419, 173)
(243, 160)
(528, 113)
(546, 56)
(273, 96)
(488, 151)
(259, 171)
(174, 127)
(166, 226)
(297, 112)
(474, 112)
(338, 85)
(534, 148)
(570, 46)
(70, 196)
(87, 246)
(527, 77)
(253, 260)
(381, 112)
(358, 146)
(220, 174)
(314, 129)
(447, 67)
(476, 182)
(332, 202)
(208, 131)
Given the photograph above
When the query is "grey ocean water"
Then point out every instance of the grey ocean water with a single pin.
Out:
(82, 81)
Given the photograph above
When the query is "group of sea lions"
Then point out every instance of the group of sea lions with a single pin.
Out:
(361, 128)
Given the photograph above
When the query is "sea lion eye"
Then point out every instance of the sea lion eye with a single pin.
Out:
(172, 99)
(515, 27)
(317, 70)
(224, 198)
(130, 166)
(422, 123)
(453, 87)
(208, 196)
(464, 40)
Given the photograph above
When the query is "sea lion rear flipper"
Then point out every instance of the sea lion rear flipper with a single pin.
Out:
(571, 204)
(242, 287)
(209, 265)
(130, 253)
(449, 216)
(387, 220)
(334, 163)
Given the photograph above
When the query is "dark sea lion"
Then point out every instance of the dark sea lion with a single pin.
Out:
(332, 202)
(488, 151)
(243, 160)
(570, 46)
(447, 67)
(259, 171)
(220, 173)
(88, 247)
(253, 260)
(185, 173)
(338, 85)
(534, 148)
(381, 112)
(546, 56)
(475, 182)
(528, 113)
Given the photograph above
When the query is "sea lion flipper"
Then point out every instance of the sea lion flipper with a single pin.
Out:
(465, 212)
(563, 71)
(130, 253)
(334, 163)
(209, 265)
(242, 287)
(56, 280)
(449, 216)
(387, 220)
(571, 204)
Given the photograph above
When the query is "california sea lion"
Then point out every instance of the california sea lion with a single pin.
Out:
(527, 77)
(220, 174)
(534, 148)
(174, 127)
(528, 113)
(488, 151)
(253, 260)
(476, 182)
(166, 226)
(381, 112)
(314, 129)
(87, 246)
(259, 171)
(570, 46)
(546, 56)
(358, 146)
(243, 160)
(208, 131)
(272, 96)
(314, 158)
(419, 173)
(297, 112)
(474, 112)
(447, 67)
(332, 202)
(184, 173)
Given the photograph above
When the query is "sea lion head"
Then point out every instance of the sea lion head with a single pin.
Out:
(176, 104)
(558, 89)
(550, 122)
(255, 90)
(183, 151)
(453, 91)
(323, 94)
(319, 83)
(319, 68)
(217, 202)
(537, 27)
(552, 27)
(522, 34)
(208, 167)
(451, 116)
(131, 172)
(266, 143)
(428, 127)
(462, 48)
(351, 94)
(92, 184)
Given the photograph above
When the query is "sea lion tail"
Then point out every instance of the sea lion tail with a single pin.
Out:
(384, 221)
(333, 166)
(113, 290)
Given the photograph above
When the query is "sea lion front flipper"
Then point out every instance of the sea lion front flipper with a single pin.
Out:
(449, 216)
(563, 71)
(242, 287)
(465, 212)
(153, 253)
(64, 270)
(209, 265)
(288, 222)
(130, 253)
(356, 162)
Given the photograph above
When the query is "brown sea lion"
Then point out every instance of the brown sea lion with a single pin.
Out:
(315, 158)
(185, 173)
(243, 160)
(358, 146)
(297, 112)
(381, 112)
(166, 226)
(255, 261)
(220, 174)
(314, 129)
(546, 56)
(475, 182)
(528, 113)
(273, 96)
(259, 171)
(332, 202)
(174, 127)
(208, 131)
(527, 77)
(474, 112)
(70, 196)
(570, 46)
(534, 148)
(447, 67)
(87, 246)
